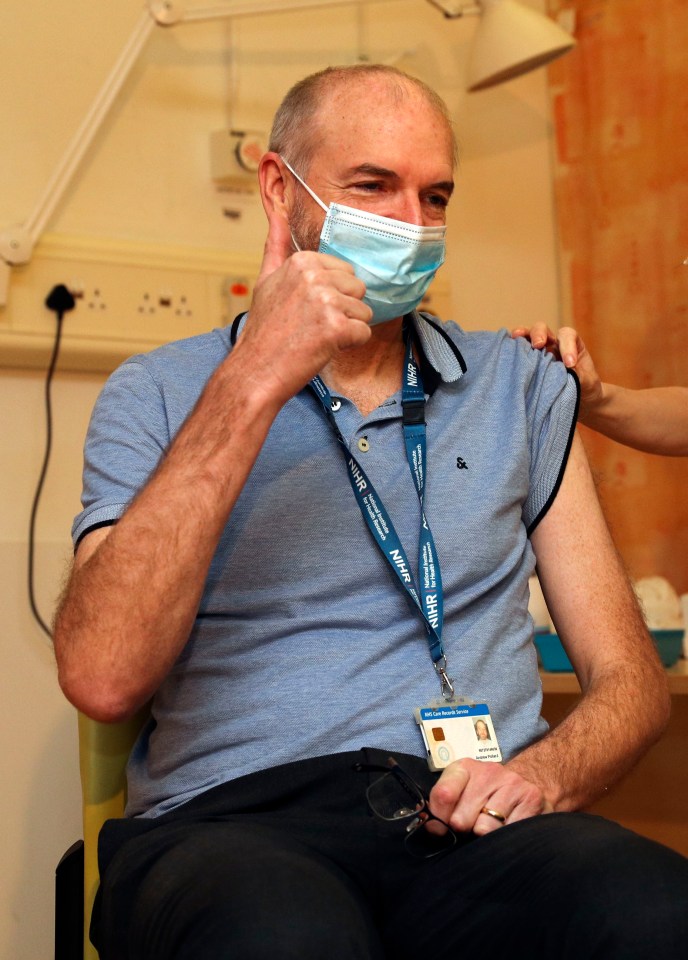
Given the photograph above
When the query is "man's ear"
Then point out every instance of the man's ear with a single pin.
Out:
(276, 189)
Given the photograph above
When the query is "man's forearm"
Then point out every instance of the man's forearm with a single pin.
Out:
(600, 741)
(128, 610)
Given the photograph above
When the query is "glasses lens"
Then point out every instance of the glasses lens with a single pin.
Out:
(424, 843)
(395, 798)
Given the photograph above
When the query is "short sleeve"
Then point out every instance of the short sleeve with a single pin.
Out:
(126, 438)
(552, 410)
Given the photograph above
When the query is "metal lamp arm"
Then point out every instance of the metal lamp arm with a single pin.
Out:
(17, 243)
(169, 12)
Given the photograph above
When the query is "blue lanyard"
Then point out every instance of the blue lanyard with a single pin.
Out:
(429, 598)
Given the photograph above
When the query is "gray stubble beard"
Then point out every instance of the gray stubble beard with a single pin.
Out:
(303, 230)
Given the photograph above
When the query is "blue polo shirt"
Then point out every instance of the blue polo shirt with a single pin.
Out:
(304, 643)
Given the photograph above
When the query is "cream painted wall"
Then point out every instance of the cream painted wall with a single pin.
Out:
(146, 179)
(40, 795)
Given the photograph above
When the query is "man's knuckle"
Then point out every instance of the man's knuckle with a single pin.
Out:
(310, 275)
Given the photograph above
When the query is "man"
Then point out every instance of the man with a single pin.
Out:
(272, 489)
(654, 419)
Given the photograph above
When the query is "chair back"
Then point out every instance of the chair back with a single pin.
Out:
(104, 749)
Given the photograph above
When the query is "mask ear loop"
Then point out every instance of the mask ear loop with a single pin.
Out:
(303, 183)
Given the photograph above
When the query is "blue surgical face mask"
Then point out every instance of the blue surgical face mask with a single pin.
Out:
(396, 260)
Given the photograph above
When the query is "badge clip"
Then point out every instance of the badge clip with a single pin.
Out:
(446, 685)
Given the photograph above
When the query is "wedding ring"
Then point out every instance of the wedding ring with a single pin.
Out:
(494, 813)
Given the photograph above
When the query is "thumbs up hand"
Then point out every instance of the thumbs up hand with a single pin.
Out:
(307, 307)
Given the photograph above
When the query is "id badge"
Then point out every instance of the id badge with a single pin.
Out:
(456, 730)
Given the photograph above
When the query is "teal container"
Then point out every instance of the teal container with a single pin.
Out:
(552, 655)
(669, 644)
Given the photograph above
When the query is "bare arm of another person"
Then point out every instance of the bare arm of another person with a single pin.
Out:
(135, 587)
(654, 419)
(625, 700)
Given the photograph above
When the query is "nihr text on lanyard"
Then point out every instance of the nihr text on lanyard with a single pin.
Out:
(429, 598)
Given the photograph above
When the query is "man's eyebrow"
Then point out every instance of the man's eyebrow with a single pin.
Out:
(372, 170)
(446, 185)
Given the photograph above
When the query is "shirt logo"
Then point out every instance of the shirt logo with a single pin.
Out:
(461, 464)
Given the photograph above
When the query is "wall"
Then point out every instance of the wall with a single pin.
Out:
(621, 109)
(145, 181)
(40, 795)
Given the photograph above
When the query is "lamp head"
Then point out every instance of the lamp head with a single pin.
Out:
(512, 40)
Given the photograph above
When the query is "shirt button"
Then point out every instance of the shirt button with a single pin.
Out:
(336, 405)
(363, 445)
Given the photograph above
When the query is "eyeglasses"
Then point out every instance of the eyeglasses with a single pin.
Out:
(397, 798)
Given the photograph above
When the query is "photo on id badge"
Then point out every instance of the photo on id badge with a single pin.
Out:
(456, 731)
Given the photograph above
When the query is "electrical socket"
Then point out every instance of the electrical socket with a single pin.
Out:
(166, 302)
(90, 297)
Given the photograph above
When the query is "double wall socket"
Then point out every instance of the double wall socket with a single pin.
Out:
(125, 304)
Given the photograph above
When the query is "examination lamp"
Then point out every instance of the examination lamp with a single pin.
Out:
(510, 40)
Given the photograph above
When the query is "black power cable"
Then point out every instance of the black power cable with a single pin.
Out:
(60, 301)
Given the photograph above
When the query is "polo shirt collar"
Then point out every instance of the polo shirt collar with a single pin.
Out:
(440, 358)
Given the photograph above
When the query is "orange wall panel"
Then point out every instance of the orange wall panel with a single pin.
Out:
(620, 113)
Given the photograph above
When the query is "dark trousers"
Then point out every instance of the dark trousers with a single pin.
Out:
(289, 864)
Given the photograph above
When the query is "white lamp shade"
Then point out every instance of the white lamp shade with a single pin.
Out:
(510, 40)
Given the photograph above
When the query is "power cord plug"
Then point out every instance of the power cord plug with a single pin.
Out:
(60, 300)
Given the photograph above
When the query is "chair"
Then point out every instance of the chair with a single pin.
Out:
(103, 752)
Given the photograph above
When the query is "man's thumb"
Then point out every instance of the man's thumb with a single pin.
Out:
(278, 245)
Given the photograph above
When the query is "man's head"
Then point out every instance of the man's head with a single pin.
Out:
(367, 136)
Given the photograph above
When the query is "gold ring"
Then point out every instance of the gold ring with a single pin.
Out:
(494, 813)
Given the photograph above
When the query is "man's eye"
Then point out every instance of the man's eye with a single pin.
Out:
(370, 186)
(438, 200)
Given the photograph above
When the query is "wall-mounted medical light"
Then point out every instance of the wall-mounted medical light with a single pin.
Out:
(510, 40)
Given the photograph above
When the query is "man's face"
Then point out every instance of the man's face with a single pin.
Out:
(377, 152)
